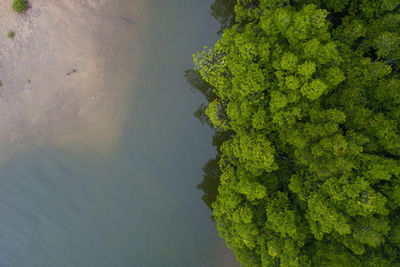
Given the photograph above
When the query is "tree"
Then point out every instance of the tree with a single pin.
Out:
(309, 92)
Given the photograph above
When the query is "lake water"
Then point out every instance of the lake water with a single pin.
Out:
(136, 204)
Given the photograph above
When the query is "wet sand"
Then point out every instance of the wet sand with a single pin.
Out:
(61, 86)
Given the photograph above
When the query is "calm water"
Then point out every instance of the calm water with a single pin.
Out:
(138, 205)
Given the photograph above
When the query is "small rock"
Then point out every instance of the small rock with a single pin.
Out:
(72, 71)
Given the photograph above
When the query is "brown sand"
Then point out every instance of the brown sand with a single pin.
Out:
(58, 88)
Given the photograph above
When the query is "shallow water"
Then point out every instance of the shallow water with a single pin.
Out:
(113, 184)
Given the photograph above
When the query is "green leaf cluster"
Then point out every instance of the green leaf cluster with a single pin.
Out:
(309, 92)
(20, 5)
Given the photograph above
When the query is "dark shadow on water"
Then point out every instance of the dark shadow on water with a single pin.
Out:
(210, 182)
(211, 171)
(199, 85)
(223, 11)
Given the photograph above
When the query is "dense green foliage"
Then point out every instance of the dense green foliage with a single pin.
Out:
(308, 93)
(20, 5)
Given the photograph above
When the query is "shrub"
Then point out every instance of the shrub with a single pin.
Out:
(20, 5)
(11, 34)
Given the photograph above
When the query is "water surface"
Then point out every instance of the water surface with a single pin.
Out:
(135, 203)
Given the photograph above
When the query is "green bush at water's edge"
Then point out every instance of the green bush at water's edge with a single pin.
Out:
(309, 93)
(20, 5)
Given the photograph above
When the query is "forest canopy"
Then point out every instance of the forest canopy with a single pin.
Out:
(307, 94)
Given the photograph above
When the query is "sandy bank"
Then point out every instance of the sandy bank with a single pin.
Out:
(61, 85)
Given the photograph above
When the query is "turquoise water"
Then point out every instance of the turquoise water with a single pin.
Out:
(138, 205)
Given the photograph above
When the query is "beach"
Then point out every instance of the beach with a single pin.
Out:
(56, 88)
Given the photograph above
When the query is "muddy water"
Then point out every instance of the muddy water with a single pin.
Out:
(100, 154)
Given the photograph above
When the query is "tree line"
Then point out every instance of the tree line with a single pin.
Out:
(305, 98)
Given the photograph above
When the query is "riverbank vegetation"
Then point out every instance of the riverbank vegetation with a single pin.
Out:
(306, 95)
(20, 5)
(11, 34)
